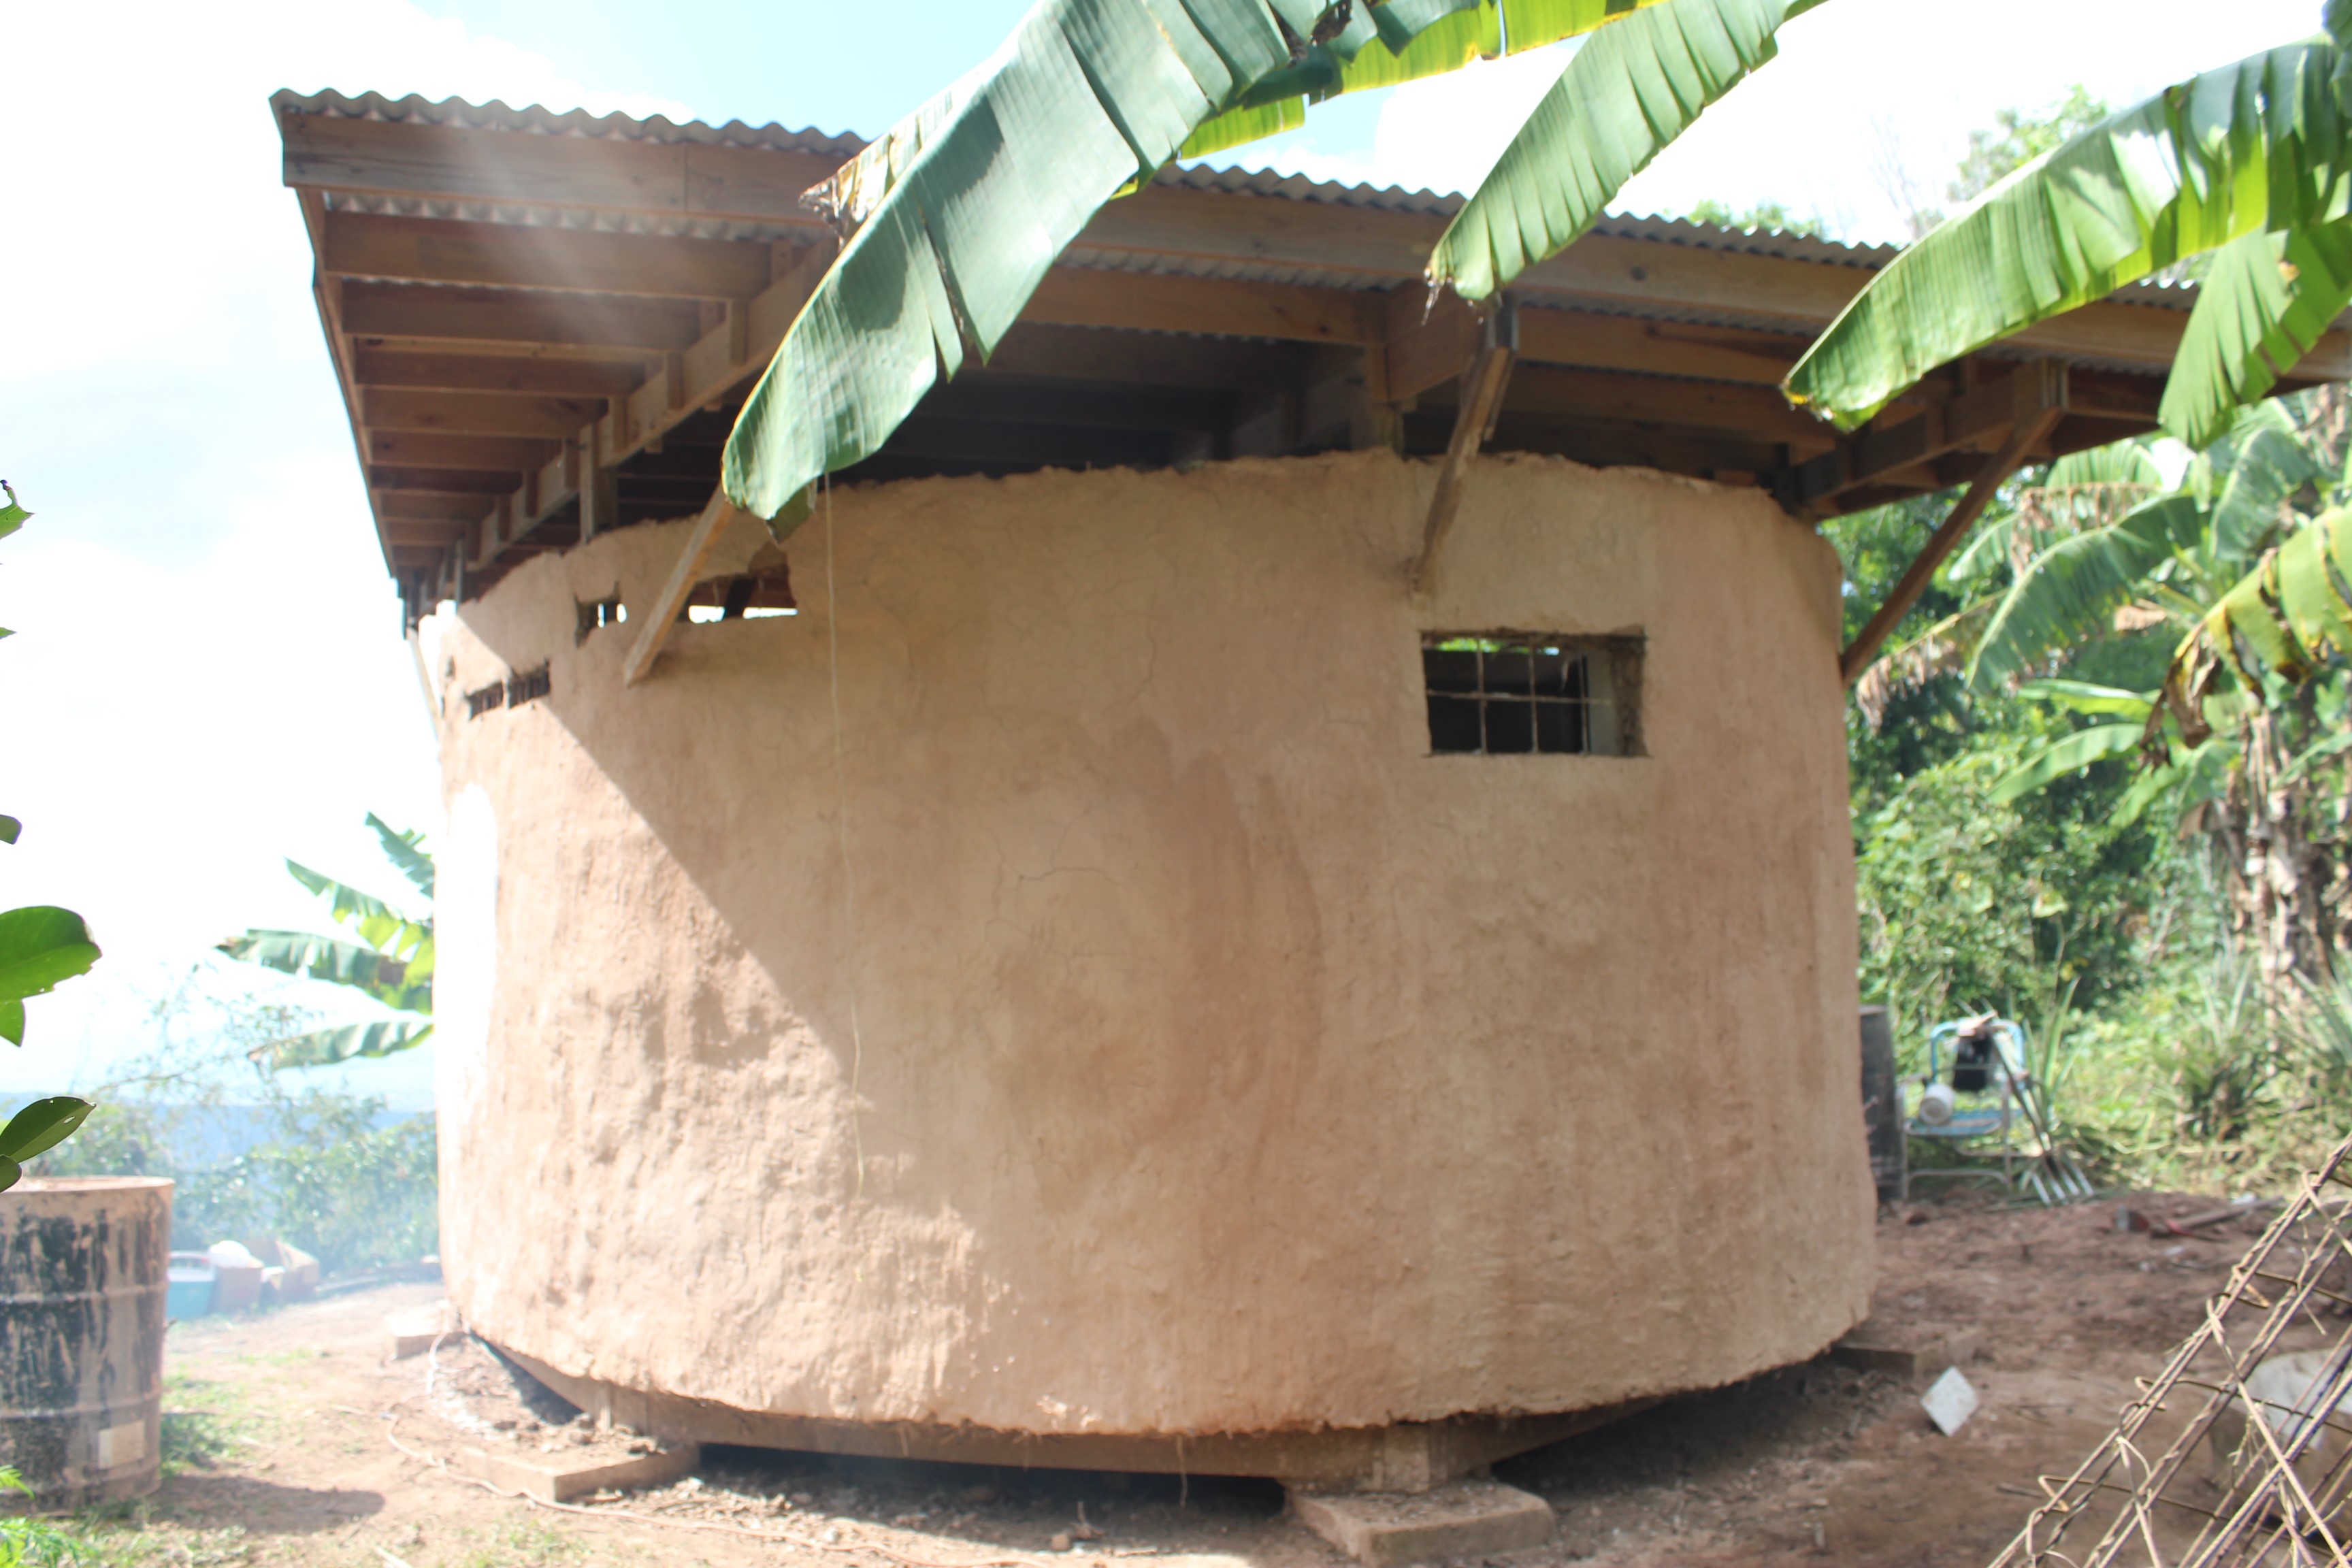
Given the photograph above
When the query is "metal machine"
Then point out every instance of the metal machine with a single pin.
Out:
(1979, 1097)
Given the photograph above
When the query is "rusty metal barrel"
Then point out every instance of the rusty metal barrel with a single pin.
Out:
(84, 1264)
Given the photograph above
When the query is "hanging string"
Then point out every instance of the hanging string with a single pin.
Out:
(849, 876)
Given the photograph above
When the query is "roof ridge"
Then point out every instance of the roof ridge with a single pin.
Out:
(537, 119)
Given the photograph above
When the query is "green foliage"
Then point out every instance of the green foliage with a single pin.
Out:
(1626, 95)
(41, 946)
(24, 1541)
(392, 962)
(1764, 217)
(329, 1172)
(2020, 135)
(1969, 906)
(953, 218)
(2259, 146)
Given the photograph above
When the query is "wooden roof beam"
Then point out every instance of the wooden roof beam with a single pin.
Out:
(1218, 307)
(2038, 401)
(477, 413)
(527, 255)
(411, 448)
(1748, 412)
(1383, 247)
(383, 310)
(1975, 419)
(545, 373)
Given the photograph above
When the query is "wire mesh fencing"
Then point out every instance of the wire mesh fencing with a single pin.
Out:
(2239, 1450)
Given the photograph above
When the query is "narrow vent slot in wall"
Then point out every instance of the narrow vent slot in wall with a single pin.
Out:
(527, 685)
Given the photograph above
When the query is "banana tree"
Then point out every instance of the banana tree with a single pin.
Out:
(951, 220)
(392, 962)
(2251, 162)
(41, 946)
(2246, 739)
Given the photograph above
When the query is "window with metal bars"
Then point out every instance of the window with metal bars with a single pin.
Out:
(1500, 693)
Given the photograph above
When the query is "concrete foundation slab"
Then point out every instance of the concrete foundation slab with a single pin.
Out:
(1406, 1456)
(560, 1477)
(1463, 1519)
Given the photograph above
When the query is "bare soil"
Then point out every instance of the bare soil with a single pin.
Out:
(298, 1443)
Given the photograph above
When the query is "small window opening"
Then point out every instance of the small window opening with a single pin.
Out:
(1500, 693)
(763, 588)
(480, 702)
(528, 686)
(599, 613)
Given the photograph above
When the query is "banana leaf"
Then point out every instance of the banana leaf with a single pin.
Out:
(2117, 463)
(2261, 145)
(323, 1048)
(2260, 308)
(2065, 755)
(380, 925)
(1421, 38)
(955, 216)
(2072, 589)
(2270, 462)
(2287, 617)
(1622, 97)
(402, 849)
(390, 980)
(2083, 697)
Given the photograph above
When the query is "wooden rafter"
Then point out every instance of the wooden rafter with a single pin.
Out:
(2037, 401)
(1484, 383)
(717, 514)
(1383, 247)
(516, 386)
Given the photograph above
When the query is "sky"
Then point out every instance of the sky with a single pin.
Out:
(208, 674)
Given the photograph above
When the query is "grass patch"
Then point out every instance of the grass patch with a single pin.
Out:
(204, 1423)
(528, 1541)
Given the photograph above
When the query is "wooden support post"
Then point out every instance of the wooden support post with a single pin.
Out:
(2041, 403)
(717, 514)
(599, 489)
(1482, 385)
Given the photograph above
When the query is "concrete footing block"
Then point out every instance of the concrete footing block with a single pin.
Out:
(559, 1477)
(418, 1330)
(1911, 1352)
(1461, 1519)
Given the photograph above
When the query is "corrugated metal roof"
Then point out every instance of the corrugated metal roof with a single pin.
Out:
(536, 120)
(2166, 294)
(585, 220)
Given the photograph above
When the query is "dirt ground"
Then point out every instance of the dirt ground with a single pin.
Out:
(294, 1442)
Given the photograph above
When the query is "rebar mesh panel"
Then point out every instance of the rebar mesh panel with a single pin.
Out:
(2237, 1451)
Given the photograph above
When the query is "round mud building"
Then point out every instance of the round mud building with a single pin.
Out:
(1112, 968)
(1226, 903)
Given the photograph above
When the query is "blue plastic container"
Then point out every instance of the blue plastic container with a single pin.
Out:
(190, 1293)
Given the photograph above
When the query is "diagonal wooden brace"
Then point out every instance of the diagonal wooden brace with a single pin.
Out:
(2040, 404)
(718, 514)
(1482, 385)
